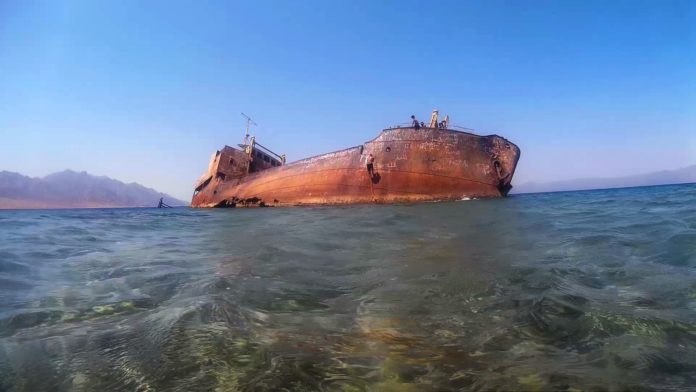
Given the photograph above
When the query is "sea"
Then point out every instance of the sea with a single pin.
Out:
(570, 291)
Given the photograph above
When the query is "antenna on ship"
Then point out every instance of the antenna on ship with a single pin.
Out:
(249, 122)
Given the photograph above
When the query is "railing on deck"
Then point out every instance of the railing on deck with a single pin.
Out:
(268, 151)
(410, 125)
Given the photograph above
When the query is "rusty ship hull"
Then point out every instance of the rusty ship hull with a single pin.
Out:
(410, 165)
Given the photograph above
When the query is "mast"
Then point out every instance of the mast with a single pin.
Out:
(249, 122)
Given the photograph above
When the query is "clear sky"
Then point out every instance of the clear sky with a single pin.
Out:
(145, 91)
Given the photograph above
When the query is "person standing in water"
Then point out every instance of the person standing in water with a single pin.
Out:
(370, 160)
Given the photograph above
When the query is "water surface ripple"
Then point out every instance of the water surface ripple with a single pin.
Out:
(567, 291)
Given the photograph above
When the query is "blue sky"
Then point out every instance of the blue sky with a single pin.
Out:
(145, 91)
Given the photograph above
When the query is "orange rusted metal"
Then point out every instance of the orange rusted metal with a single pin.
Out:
(410, 165)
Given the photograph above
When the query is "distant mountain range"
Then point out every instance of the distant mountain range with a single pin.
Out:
(70, 189)
(677, 176)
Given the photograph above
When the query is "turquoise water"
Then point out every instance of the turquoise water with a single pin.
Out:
(570, 291)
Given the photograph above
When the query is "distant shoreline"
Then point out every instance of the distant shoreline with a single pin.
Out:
(47, 208)
(601, 189)
(74, 190)
(5, 208)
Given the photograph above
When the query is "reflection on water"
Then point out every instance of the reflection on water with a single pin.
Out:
(567, 291)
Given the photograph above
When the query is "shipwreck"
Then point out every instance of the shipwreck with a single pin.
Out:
(413, 163)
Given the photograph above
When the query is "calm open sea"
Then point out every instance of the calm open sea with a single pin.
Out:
(569, 291)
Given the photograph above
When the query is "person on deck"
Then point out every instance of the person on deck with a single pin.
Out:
(416, 125)
(370, 160)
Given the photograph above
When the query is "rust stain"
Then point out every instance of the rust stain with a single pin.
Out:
(411, 165)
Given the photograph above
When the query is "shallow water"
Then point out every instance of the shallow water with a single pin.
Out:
(567, 291)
